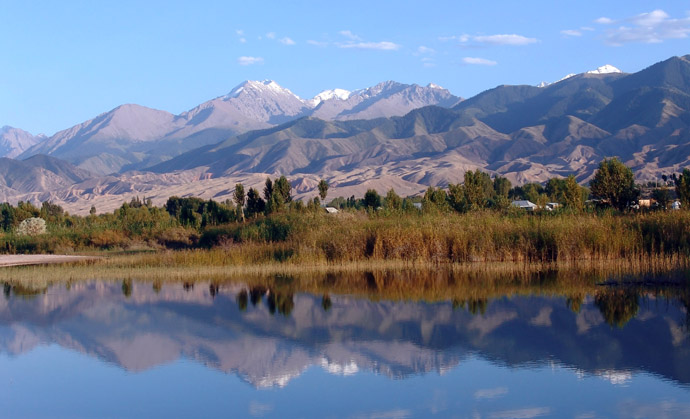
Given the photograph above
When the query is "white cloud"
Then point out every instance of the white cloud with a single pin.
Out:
(271, 35)
(505, 39)
(243, 40)
(428, 62)
(571, 32)
(317, 43)
(459, 38)
(239, 32)
(587, 28)
(652, 18)
(647, 28)
(287, 41)
(425, 50)
(382, 46)
(498, 39)
(604, 21)
(244, 60)
(478, 61)
(350, 35)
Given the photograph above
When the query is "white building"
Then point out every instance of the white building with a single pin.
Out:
(526, 205)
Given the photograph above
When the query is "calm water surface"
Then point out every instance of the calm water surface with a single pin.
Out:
(133, 349)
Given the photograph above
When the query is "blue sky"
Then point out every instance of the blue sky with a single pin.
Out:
(66, 62)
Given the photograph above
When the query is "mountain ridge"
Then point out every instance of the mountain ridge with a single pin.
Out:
(133, 137)
(525, 133)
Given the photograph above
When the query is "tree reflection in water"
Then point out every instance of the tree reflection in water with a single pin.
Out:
(396, 324)
(474, 306)
(242, 300)
(618, 306)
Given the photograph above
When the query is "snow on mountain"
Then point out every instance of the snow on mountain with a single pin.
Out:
(385, 99)
(566, 77)
(338, 94)
(386, 87)
(133, 136)
(265, 86)
(605, 69)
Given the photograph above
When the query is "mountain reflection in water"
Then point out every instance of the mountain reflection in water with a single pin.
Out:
(270, 332)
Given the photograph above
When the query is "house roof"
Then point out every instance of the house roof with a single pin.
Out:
(523, 203)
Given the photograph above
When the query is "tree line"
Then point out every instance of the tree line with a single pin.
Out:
(612, 186)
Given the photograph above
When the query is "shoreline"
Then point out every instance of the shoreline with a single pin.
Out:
(25, 260)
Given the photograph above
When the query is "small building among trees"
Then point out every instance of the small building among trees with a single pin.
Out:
(524, 204)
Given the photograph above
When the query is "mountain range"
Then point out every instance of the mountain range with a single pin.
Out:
(134, 137)
(391, 135)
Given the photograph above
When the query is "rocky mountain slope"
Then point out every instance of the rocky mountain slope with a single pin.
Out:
(525, 133)
(37, 174)
(134, 137)
(14, 141)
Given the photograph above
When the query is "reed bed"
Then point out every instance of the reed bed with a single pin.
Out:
(454, 238)
(323, 239)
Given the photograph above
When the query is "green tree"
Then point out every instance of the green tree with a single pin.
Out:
(435, 199)
(614, 183)
(372, 199)
(682, 183)
(314, 205)
(323, 190)
(268, 189)
(51, 212)
(478, 190)
(572, 195)
(662, 196)
(392, 201)
(239, 197)
(502, 187)
(255, 205)
(529, 191)
(283, 187)
(8, 216)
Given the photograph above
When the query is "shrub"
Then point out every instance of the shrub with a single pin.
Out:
(32, 227)
(108, 239)
(178, 238)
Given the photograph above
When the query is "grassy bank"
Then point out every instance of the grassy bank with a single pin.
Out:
(450, 238)
(311, 238)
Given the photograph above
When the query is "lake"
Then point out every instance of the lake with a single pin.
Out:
(279, 348)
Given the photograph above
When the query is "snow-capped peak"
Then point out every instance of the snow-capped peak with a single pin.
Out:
(337, 94)
(543, 84)
(434, 86)
(260, 86)
(605, 69)
(566, 77)
(340, 94)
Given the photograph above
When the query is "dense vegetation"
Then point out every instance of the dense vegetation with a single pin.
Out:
(468, 222)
